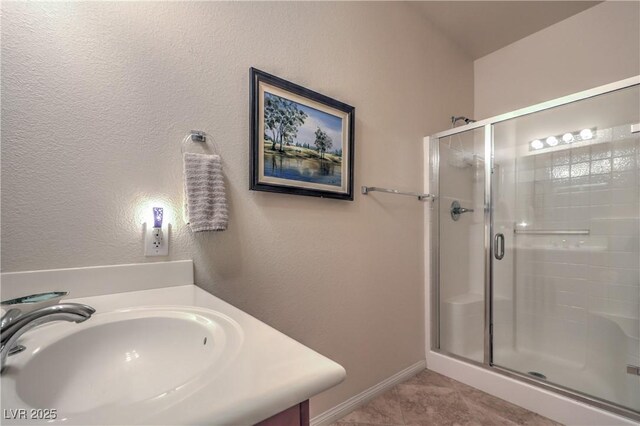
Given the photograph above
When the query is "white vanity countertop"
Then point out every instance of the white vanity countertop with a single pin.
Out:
(268, 374)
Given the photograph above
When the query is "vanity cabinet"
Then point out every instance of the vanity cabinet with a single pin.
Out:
(298, 415)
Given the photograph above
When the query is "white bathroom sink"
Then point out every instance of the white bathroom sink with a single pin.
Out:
(129, 360)
(170, 356)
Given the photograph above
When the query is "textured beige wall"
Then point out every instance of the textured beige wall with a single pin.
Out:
(97, 96)
(595, 47)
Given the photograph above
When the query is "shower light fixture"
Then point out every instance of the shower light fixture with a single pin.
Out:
(567, 138)
(586, 134)
(537, 144)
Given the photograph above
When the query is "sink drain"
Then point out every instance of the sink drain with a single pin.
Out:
(538, 375)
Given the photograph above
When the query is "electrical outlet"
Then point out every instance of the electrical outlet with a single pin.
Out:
(156, 242)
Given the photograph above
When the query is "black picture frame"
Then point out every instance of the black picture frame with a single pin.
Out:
(291, 164)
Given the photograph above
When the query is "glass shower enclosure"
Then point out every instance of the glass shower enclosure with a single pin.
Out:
(536, 245)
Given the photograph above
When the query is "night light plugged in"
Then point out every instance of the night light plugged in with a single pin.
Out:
(157, 236)
(158, 213)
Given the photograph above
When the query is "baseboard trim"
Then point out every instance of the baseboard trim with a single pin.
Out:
(344, 408)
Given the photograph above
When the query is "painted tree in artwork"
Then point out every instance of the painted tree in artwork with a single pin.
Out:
(282, 118)
(323, 142)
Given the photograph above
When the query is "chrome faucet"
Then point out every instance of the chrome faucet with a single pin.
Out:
(15, 323)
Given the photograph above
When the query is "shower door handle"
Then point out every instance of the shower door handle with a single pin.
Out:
(498, 246)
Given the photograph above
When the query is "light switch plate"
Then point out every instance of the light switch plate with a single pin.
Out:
(153, 248)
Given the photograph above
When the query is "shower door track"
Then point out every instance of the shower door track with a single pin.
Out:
(487, 363)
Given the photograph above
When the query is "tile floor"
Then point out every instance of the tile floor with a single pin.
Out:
(435, 400)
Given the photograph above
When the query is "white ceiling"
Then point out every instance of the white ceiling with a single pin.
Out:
(481, 27)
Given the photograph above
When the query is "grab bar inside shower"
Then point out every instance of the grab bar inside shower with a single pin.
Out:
(552, 231)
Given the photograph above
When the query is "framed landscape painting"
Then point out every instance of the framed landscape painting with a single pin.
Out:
(301, 141)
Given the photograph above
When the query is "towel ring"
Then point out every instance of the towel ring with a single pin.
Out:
(197, 136)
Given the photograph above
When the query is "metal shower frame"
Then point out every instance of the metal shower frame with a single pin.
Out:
(487, 125)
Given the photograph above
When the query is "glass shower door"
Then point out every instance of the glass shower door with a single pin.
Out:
(566, 246)
(460, 230)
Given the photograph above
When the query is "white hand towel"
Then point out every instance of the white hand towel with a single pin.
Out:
(205, 198)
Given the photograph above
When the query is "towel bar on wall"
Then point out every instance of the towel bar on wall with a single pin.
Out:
(420, 196)
(198, 136)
